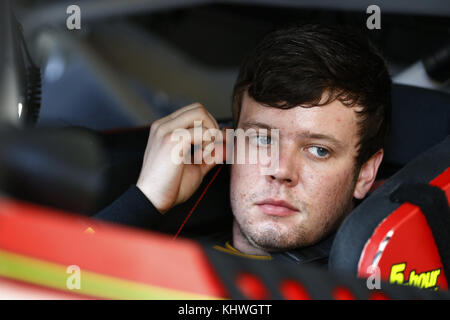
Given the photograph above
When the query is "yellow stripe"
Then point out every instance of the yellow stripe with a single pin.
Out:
(229, 246)
(54, 275)
(231, 250)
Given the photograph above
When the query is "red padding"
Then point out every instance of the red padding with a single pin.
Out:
(403, 247)
(112, 250)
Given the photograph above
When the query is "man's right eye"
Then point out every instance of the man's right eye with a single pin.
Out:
(263, 140)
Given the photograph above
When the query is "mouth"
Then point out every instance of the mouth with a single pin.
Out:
(279, 208)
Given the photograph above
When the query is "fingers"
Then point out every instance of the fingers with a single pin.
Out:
(183, 118)
(204, 155)
(197, 149)
(186, 119)
(164, 134)
(178, 112)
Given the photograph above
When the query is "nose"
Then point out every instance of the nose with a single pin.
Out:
(287, 171)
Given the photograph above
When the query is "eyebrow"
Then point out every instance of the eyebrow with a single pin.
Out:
(303, 135)
(253, 124)
(320, 136)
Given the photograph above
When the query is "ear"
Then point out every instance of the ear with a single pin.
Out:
(367, 175)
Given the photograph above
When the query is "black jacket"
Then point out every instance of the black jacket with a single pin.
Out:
(210, 221)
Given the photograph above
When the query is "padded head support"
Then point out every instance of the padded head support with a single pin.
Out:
(408, 242)
(420, 120)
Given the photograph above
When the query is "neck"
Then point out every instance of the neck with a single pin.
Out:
(241, 243)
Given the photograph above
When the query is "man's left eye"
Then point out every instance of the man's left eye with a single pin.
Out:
(319, 152)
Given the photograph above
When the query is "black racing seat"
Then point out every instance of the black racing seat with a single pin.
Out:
(420, 120)
(420, 126)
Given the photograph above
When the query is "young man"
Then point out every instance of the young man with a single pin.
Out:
(327, 91)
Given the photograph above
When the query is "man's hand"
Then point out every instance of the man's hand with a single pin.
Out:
(164, 182)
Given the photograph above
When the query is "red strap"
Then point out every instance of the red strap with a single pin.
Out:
(198, 201)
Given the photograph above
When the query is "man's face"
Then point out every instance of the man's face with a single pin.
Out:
(311, 191)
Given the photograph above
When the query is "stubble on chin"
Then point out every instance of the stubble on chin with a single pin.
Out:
(267, 233)
(272, 237)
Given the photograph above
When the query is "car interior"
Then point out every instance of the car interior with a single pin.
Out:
(87, 99)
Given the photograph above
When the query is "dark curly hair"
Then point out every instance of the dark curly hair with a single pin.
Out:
(296, 65)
